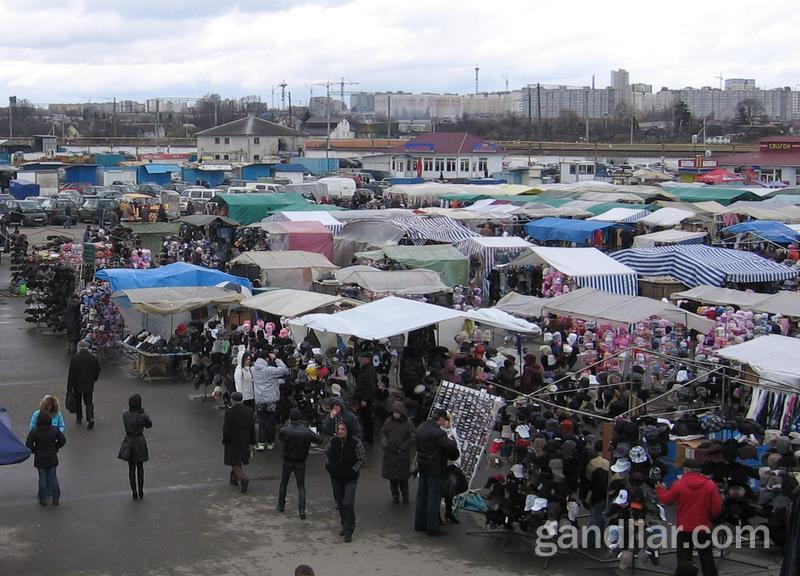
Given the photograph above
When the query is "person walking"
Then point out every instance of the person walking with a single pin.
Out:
(45, 440)
(243, 380)
(134, 446)
(238, 435)
(340, 413)
(51, 406)
(397, 437)
(364, 393)
(434, 449)
(68, 216)
(699, 503)
(296, 438)
(268, 372)
(84, 370)
(344, 459)
(72, 323)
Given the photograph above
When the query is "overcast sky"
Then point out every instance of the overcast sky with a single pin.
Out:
(69, 50)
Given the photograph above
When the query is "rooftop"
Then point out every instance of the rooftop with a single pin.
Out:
(447, 143)
(250, 126)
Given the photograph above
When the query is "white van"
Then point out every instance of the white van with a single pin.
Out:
(198, 197)
(339, 187)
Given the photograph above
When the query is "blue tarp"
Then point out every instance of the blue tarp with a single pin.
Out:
(12, 449)
(161, 168)
(766, 229)
(177, 274)
(578, 231)
(20, 189)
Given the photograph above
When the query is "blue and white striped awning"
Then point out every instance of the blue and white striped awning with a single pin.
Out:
(616, 284)
(696, 265)
(622, 215)
(441, 229)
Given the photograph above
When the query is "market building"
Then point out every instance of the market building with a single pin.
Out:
(777, 159)
(249, 139)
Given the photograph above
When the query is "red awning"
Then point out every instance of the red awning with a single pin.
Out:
(720, 176)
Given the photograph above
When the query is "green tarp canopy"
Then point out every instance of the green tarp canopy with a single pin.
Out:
(554, 202)
(249, 208)
(201, 220)
(151, 233)
(719, 194)
(464, 197)
(606, 206)
(443, 258)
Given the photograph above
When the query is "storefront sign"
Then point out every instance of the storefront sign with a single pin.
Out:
(163, 156)
(779, 146)
(697, 163)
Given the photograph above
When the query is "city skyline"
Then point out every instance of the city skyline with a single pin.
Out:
(80, 50)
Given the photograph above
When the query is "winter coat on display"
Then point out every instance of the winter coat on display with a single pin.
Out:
(243, 378)
(397, 437)
(297, 439)
(84, 370)
(135, 423)
(45, 441)
(238, 434)
(434, 449)
(698, 500)
(267, 380)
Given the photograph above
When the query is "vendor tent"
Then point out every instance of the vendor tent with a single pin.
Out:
(591, 304)
(621, 215)
(165, 301)
(497, 318)
(721, 195)
(12, 449)
(401, 282)
(667, 217)
(390, 316)
(290, 303)
(152, 233)
(200, 220)
(324, 218)
(361, 235)
(772, 357)
(766, 230)
(762, 211)
(784, 303)
(695, 264)
(434, 229)
(521, 305)
(564, 230)
(287, 268)
(588, 266)
(668, 237)
(308, 236)
(720, 296)
(445, 259)
(719, 176)
(249, 208)
(177, 274)
(492, 251)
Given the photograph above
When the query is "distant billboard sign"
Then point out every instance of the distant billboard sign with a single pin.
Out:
(698, 163)
(162, 156)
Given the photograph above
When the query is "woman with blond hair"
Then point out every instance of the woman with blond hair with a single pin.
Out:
(52, 406)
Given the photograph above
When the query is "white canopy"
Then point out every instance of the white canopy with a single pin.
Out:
(383, 318)
(500, 319)
(666, 237)
(720, 296)
(403, 282)
(621, 215)
(521, 305)
(784, 303)
(324, 218)
(772, 356)
(165, 301)
(287, 268)
(667, 217)
(290, 303)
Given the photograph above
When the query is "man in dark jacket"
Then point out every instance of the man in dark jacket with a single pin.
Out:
(45, 441)
(340, 413)
(296, 438)
(238, 435)
(72, 323)
(84, 370)
(364, 394)
(699, 503)
(344, 459)
(434, 449)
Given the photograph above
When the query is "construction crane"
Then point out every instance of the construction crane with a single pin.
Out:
(283, 86)
(342, 84)
(720, 78)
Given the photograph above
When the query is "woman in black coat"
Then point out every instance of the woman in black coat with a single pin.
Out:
(134, 445)
(398, 435)
(238, 435)
(45, 441)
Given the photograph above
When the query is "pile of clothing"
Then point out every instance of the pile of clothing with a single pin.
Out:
(101, 321)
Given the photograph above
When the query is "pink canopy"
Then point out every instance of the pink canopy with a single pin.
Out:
(308, 236)
(720, 176)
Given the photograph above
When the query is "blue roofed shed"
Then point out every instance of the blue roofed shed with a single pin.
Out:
(81, 174)
(156, 173)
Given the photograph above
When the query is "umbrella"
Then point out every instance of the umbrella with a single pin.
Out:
(12, 450)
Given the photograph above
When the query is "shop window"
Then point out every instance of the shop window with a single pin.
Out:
(451, 164)
(482, 164)
(427, 164)
(464, 165)
(438, 165)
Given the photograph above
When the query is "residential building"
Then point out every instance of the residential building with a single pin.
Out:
(337, 128)
(707, 102)
(448, 155)
(487, 104)
(321, 104)
(549, 101)
(740, 84)
(249, 139)
(621, 82)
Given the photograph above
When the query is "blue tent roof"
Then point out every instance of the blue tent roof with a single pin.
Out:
(161, 168)
(577, 231)
(177, 274)
(696, 265)
(766, 229)
(12, 449)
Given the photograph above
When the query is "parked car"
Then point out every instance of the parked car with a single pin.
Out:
(40, 199)
(113, 193)
(93, 209)
(148, 188)
(26, 212)
(123, 188)
(56, 210)
(72, 195)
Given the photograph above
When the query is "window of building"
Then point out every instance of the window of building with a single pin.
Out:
(427, 164)
(256, 140)
(585, 169)
(438, 164)
(483, 165)
(451, 164)
(410, 165)
(216, 140)
(573, 169)
(256, 157)
(226, 157)
(216, 156)
(464, 165)
(393, 166)
(227, 140)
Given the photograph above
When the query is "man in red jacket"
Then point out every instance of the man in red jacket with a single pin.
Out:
(699, 503)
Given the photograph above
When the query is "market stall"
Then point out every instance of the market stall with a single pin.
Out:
(521, 305)
(324, 218)
(305, 236)
(665, 237)
(173, 275)
(362, 235)
(489, 252)
(620, 215)
(445, 259)
(377, 283)
(287, 268)
(286, 302)
(577, 232)
(668, 217)
(250, 208)
(152, 234)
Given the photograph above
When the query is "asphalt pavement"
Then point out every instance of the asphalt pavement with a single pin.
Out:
(191, 522)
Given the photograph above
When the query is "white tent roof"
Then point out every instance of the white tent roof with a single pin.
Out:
(667, 217)
(665, 237)
(404, 282)
(720, 296)
(165, 301)
(572, 261)
(288, 302)
(500, 319)
(784, 303)
(497, 242)
(621, 215)
(283, 259)
(324, 218)
(771, 356)
(379, 319)
(521, 305)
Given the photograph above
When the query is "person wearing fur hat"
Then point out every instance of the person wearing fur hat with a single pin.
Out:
(397, 436)
(296, 438)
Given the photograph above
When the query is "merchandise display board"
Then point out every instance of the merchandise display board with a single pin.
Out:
(473, 414)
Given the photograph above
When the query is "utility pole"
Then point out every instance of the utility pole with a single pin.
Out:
(291, 118)
(476, 78)
(283, 86)
(586, 111)
(12, 101)
(327, 124)
(530, 112)
(114, 119)
(389, 113)
(539, 107)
